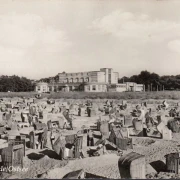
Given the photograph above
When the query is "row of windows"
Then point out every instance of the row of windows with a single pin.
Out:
(60, 87)
(73, 74)
(71, 80)
(118, 86)
(96, 87)
(44, 88)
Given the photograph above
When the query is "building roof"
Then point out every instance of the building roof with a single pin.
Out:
(64, 84)
(41, 83)
(106, 68)
(83, 72)
(74, 72)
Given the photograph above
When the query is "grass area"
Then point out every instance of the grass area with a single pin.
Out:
(17, 94)
(175, 95)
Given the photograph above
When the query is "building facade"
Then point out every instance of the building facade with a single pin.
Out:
(105, 75)
(126, 87)
(42, 87)
(95, 87)
(93, 81)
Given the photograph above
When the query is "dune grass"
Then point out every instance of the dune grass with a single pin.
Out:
(174, 95)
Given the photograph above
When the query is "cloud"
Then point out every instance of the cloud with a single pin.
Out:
(26, 41)
(174, 46)
(123, 24)
(28, 31)
(51, 40)
(18, 31)
(9, 54)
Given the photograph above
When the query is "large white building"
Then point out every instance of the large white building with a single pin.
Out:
(92, 81)
(105, 75)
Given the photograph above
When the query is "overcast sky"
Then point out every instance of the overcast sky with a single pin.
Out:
(40, 38)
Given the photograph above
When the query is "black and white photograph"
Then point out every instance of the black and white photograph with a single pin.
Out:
(89, 89)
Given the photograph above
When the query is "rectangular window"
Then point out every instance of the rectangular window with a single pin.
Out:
(99, 87)
(87, 79)
(109, 78)
(44, 88)
(103, 87)
(88, 88)
(94, 87)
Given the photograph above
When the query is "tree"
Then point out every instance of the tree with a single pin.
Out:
(154, 80)
(15, 84)
(123, 79)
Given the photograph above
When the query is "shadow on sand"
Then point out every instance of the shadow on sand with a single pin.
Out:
(51, 154)
(35, 156)
(159, 166)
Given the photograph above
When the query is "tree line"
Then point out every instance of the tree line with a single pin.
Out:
(15, 84)
(153, 81)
